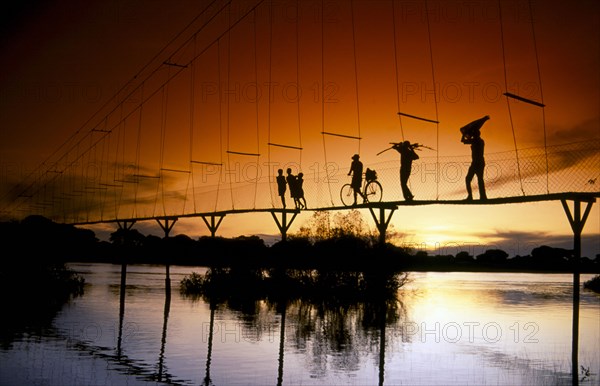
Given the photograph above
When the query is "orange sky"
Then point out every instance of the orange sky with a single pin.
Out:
(61, 62)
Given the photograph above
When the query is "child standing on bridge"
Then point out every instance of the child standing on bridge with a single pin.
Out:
(299, 183)
(281, 188)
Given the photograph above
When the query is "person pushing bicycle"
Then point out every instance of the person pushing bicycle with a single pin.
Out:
(356, 170)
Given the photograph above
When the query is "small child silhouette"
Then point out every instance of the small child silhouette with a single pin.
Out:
(281, 188)
(299, 185)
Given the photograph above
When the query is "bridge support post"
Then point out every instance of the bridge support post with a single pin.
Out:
(284, 225)
(167, 225)
(212, 226)
(577, 222)
(126, 224)
(381, 221)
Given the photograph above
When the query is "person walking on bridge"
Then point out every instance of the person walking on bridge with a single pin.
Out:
(407, 156)
(471, 135)
(356, 170)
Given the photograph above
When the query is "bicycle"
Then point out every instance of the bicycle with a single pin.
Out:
(371, 191)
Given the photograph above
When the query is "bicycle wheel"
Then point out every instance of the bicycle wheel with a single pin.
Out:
(347, 195)
(373, 192)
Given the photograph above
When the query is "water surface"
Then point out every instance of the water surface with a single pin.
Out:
(440, 329)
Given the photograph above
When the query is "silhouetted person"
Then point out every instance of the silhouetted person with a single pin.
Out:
(281, 188)
(471, 135)
(292, 183)
(356, 170)
(407, 156)
(299, 185)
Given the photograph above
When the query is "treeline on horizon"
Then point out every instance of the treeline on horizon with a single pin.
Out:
(338, 243)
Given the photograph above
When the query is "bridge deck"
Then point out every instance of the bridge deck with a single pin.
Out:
(583, 197)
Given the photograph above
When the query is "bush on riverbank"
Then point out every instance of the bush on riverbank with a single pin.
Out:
(593, 284)
(342, 241)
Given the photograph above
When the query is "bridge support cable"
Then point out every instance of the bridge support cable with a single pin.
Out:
(355, 72)
(381, 220)
(512, 126)
(510, 96)
(269, 96)
(191, 133)
(396, 68)
(323, 95)
(539, 73)
(435, 99)
(298, 93)
(284, 225)
(577, 221)
(167, 224)
(213, 225)
(256, 97)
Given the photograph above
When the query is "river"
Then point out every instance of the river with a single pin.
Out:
(437, 329)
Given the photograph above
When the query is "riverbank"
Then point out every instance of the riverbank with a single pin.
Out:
(37, 240)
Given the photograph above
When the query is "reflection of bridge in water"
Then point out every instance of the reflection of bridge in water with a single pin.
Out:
(180, 141)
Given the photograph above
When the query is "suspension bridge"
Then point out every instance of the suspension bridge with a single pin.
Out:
(246, 89)
(202, 128)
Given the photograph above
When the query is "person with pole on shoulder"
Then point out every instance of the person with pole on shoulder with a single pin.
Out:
(407, 156)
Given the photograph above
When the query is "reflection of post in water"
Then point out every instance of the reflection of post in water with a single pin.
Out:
(121, 306)
(168, 282)
(281, 343)
(163, 340)
(382, 323)
(207, 381)
(577, 221)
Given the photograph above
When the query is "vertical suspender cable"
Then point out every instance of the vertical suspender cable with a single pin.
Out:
(120, 161)
(191, 150)
(323, 97)
(192, 105)
(396, 69)
(435, 98)
(298, 77)
(512, 126)
(163, 123)
(269, 97)
(228, 104)
(137, 153)
(220, 102)
(256, 105)
(355, 71)
(539, 74)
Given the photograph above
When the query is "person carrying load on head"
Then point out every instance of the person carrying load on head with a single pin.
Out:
(471, 135)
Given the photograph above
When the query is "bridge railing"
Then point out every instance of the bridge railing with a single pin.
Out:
(571, 167)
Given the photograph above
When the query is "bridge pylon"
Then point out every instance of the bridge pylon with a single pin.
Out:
(381, 220)
(166, 224)
(213, 226)
(284, 225)
(126, 224)
(577, 221)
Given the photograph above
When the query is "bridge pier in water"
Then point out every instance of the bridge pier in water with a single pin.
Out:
(167, 225)
(577, 221)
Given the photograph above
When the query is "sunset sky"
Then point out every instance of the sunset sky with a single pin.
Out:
(283, 74)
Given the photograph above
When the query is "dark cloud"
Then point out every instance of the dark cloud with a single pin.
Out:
(522, 243)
